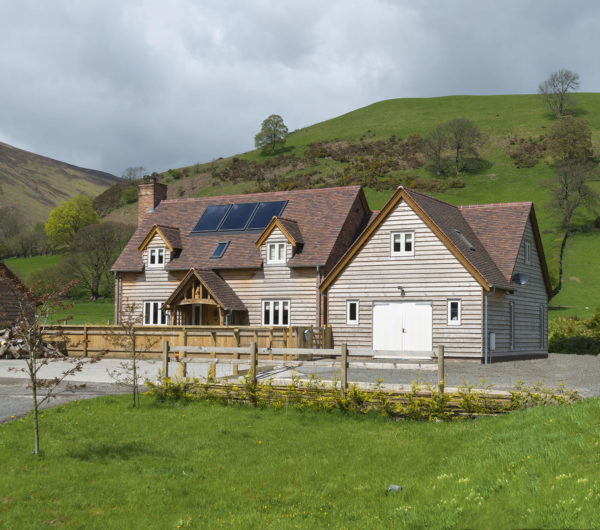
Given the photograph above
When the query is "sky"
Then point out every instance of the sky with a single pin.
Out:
(112, 84)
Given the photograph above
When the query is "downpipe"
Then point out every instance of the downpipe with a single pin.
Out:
(486, 341)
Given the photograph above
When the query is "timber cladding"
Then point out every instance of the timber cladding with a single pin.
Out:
(15, 299)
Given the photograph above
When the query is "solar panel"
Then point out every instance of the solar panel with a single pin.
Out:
(211, 218)
(220, 250)
(265, 212)
(238, 216)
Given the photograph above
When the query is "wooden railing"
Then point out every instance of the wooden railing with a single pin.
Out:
(252, 355)
(87, 341)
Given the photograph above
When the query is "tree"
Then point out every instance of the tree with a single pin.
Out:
(133, 173)
(272, 134)
(67, 219)
(557, 91)
(29, 331)
(570, 189)
(93, 250)
(570, 139)
(463, 137)
(124, 338)
(436, 142)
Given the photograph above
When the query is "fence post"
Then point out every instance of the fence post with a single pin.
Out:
(344, 381)
(440, 360)
(236, 337)
(165, 369)
(253, 362)
(182, 365)
(85, 341)
(212, 371)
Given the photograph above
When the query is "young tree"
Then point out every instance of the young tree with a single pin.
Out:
(463, 137)
(67, 219)
(570, 139)
(124, 337)
(272, 134)
(93, 250)
(571, 191)
(557, 91)
(29, 331)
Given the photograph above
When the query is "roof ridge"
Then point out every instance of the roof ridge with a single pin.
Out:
(495, 204)
(166, 226)
(428, 196)
(308, 190)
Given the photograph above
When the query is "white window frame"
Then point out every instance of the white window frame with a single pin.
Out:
(160, 254)
(527, 252)
(277, 246)
(402, 251)
(349, 321)
(449, 308)
(271, 304)
(149, 316)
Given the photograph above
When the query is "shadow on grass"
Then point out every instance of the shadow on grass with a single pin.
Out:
(107, 451)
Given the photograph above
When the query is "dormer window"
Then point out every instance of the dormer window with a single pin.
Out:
(403, 244)
(156, 257)
(276, 252)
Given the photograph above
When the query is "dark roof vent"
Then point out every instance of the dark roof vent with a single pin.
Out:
(464, 239)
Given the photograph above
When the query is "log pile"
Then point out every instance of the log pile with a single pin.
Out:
(13, 348)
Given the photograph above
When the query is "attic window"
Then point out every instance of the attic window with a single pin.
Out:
(464, 239)
(220, 250)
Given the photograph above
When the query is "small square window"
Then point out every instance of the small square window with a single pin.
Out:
(527, 252)
(454, 315)
(156, 257)
(154, 315)
(276, 252)
(402, 244)
(276, 313)
(352, 312)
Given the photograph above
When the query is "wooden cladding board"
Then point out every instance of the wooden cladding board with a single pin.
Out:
(432, 274)
(530, 306)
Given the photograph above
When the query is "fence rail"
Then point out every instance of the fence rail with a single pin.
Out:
(288, 357)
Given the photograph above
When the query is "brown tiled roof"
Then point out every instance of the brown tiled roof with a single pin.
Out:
(485, 237)
(449, 219)
(171, 235)
(320, 215)
(219, 289)
(292, 229)
(14, 297)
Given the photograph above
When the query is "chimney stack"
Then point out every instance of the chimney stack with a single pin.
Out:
(149, 195)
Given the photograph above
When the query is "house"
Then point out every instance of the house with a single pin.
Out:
(15, 299)
(254, 259)
(425, 273)
(417, 274)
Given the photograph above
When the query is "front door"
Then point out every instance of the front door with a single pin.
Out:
(210, 315)
(403, 327)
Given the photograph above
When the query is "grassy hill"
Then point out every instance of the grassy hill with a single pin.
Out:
(504, 120)
(35, 184)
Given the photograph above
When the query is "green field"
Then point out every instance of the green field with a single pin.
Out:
(87, 312)
(202, 465)
(24, 267)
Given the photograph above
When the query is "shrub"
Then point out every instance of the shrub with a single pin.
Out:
(129, 195)
(575, 335)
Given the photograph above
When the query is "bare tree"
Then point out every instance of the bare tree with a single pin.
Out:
(30, 332)
(93, 250)
(124, 337)
(133, 173)
(557, 91)
(463, 137)
(570, 190)
(435, 144)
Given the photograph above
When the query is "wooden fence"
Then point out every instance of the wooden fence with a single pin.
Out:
(88, 341)
(253, 354)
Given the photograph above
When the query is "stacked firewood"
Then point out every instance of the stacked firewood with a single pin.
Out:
(12, 347)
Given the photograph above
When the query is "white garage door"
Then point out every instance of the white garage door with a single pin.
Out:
(402, 327)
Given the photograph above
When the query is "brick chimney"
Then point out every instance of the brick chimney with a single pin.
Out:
(149, 195)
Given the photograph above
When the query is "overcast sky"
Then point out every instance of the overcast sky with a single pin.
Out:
(111, 84)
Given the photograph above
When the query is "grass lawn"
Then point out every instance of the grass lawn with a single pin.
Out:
(88, 312)
(204, 465)
(24, 267)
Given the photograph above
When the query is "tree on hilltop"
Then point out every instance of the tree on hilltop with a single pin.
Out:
(557, 91)
(272, 134)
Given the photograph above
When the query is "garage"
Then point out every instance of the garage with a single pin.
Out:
(403, 327)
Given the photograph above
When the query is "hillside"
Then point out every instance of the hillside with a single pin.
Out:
(34, 184)
(357, 148)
